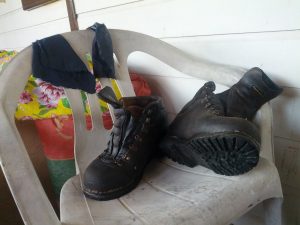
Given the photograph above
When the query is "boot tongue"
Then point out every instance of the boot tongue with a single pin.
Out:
(107, 94)
(126, 110)
(135, 105)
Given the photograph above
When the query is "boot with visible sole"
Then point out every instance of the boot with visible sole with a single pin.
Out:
(202, 135)
(140, 122)
(214, 130)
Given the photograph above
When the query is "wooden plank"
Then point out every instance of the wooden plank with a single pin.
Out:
(20, 39)
(92, 5)
(175, 18)
(9, 6)
(19, 18)
(275, 52)
(72, 15)
(32, 4)
(287, 154)
(291, 205)
(286, 118)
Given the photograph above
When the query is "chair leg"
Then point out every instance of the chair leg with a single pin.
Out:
(273, 211)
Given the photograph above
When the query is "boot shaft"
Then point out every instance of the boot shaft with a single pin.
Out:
(245, 97)
(139, 123)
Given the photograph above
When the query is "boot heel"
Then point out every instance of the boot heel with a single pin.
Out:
(227, 154)
(175, 149)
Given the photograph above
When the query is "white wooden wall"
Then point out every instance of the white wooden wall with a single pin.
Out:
(19, 28)
(244, 33)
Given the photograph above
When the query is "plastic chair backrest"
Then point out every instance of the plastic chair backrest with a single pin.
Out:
(127, 42)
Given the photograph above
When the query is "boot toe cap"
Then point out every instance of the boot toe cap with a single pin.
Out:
(101, 178)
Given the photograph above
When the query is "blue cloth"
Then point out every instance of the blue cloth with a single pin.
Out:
(102, 52)
(55, 61)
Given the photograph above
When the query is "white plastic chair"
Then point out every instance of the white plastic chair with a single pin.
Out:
(169, 193)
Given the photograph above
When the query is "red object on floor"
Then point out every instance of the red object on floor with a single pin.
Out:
(57, 137)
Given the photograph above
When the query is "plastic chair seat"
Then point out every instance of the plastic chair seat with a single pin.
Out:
(170, 193)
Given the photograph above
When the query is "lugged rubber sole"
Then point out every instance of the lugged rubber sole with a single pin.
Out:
(225, 153)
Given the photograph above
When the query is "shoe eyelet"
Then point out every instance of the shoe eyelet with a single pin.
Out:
(136, 137)
(119, 164)
(127, 158)
(147, 120)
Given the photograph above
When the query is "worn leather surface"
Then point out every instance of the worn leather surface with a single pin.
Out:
(204, 115)
(245, 97)
(231, 111)
(102, 52)
(140, 122)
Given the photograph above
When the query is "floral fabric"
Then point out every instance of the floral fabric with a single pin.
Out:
(41, 100)
(5, 57)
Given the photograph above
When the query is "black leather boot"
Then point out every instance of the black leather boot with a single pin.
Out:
(201, 134)
(245, 97)
(140, 122)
